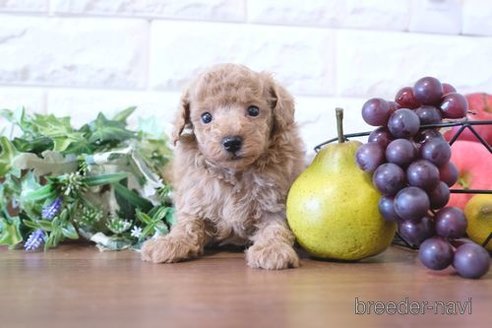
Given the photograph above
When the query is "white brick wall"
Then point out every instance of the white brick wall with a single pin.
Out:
(209, 10)
(73, 52)
(175, 56)
(373, 14)
(28, 6)
(79, 57)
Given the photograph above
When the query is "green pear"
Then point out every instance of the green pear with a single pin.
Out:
(332, 207)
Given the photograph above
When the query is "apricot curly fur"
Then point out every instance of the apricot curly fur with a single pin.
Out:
(233, 198)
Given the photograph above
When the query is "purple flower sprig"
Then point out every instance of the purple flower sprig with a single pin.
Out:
(38, 237)
(35, 240)
(51, 210)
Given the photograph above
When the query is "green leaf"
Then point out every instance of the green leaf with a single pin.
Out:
(36, 145)
(160, 213)
(6, 155)
(69, 231)
(31, 224)
(144, 217)
(80, 147)
(10, 234)
(124, 114)
(53, 163)
(41, 193)
(132, 197)
(58, 129)
(45, 225)
(50, 125)
(43, 132)
(104, 179)
(153, 221)
(104, 131)
(61, 143)
(165, 193)
(53, 239)
(31, 195)
(147, 231)
(171, 217)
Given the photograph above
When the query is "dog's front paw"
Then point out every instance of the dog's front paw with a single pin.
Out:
(167, 250)
(272, 256)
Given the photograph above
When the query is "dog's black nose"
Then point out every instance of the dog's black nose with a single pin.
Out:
(232, 144)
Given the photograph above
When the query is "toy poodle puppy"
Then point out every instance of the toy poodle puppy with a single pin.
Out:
(237, 153)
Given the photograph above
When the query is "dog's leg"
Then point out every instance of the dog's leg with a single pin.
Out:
(272, 246)
(185, 240)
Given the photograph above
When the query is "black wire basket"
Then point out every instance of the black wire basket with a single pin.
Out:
(463, 125)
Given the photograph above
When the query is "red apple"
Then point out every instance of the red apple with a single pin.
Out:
(474, 163)
(480, 108)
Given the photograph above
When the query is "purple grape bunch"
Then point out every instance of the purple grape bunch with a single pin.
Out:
(411, 168)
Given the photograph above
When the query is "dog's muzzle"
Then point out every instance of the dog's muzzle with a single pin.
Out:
(232, 144)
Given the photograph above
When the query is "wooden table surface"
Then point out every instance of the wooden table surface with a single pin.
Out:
(78, 286)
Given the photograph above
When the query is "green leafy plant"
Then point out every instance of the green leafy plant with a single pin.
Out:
(99, 182)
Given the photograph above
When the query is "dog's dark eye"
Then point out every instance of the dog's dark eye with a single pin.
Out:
(253, 111)
(206, 117)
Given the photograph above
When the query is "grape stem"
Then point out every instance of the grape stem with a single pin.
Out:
(487, 240)
(339, 113)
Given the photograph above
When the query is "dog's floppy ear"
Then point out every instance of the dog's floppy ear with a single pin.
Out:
(282, 104)
(182, 120)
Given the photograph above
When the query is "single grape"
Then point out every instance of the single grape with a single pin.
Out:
(428, 114)
(448, 173)
(447, 88)
(403, 123)
(428, 91)
(436, 253)
(380, 135)
(401, 152)
(427, 134)
(454, 105)
(451, 222)
(471, 260)
(439, 196)
(376, 111)
(387, 209)
(406, 99)
(436, 151)
(369, 156)
(423, 174)
(388, 178)
(415, 233)
(411, 203)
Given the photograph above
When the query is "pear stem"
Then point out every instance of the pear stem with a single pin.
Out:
(339, 113)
